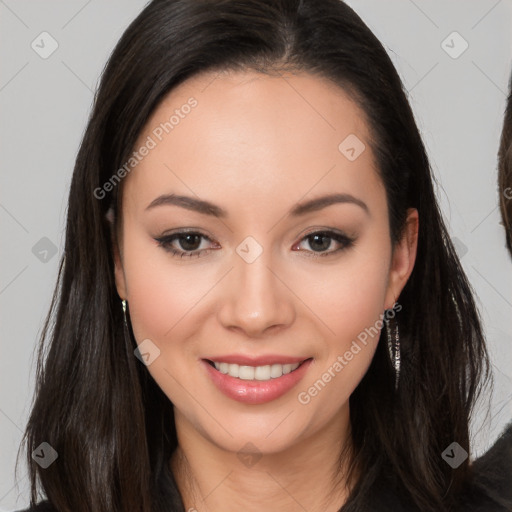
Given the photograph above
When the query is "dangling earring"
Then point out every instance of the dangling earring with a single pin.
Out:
(394, 348)
(123, 302)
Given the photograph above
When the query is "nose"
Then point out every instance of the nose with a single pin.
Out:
(256, 299)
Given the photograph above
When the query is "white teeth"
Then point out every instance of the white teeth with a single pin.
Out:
(246, 373)
(262, 373)
(234, 370)
(266, 372)
(276, 370)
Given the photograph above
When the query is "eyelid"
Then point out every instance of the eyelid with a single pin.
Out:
(325, 229)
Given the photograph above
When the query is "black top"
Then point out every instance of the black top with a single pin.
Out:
(490, 489)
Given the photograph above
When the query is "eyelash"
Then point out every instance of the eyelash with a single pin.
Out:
(166, 241)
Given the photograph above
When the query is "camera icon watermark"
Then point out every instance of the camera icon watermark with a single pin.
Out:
(351, 147)
(454, 45)
(147, 352)
(44, 455)
(460, 247)
(44, 45)
(454, 455)
(249, 249)
(44, 250)
(249, 455)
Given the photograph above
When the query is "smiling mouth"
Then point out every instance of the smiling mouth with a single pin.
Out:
(258, 373)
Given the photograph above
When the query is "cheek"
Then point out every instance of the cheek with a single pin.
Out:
(160, 294)
(162, 299)
(349, 296)
(334, 377)
(360, 300)
(348, 300)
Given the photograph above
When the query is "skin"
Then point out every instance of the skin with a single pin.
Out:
(257, 145)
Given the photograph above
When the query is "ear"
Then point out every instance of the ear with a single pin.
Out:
(404, 256)
(117, 257)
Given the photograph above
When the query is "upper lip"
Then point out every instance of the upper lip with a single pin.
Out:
(256, 361)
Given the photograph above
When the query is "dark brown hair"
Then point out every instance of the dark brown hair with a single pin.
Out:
(97, 405)
(505, 171)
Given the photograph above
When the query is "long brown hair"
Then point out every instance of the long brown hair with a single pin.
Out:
(97, 405)
(505, 171)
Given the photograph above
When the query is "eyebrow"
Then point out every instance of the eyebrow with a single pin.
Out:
(207, 208)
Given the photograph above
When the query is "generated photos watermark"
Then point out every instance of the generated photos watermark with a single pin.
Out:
(157, 135)
(305, 397)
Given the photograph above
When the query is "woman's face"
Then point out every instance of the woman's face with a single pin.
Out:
(287, 261)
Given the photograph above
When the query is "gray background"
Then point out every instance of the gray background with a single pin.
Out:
(458, 103)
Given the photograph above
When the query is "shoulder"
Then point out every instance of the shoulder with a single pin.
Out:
(44, 506)
(490, 486)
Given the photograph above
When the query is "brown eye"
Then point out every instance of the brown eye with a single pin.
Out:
(320, 242)
(189, 242)
(184, 244)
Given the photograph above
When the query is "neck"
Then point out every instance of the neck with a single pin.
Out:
(308, 476)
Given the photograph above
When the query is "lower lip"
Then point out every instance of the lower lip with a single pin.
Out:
(256, 391)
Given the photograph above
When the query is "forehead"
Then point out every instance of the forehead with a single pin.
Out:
(256, 135)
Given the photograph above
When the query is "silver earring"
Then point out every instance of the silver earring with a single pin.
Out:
(394, 348)
(123, 302)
